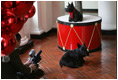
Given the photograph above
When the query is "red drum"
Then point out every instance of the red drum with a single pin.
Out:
(88, 31)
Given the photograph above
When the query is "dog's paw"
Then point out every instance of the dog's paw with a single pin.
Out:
(70, 20)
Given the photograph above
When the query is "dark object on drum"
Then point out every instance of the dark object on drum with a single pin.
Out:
(74, 58)
(74, 14)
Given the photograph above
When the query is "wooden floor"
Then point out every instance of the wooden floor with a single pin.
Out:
(99, 65)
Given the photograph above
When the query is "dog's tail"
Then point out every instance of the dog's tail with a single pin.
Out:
(60, 63)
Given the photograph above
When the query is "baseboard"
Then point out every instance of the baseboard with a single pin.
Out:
(109, 32)
(24, 48)
(43, 35)
(90, 10)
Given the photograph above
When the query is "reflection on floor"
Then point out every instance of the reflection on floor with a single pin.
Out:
(99, 65)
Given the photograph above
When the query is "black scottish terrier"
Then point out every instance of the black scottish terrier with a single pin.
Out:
(74, 14)
(74, 58)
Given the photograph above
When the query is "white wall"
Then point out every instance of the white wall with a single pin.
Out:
(62, 7)
(34, 22)
(107, 10)
(90, 4)
(57, 10)
(86, 4)
(45, 16)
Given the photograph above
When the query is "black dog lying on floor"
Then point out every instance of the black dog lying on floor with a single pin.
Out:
(74, 14)
(74, 58)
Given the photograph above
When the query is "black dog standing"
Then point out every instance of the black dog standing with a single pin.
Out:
(74, 14)
(74, 58)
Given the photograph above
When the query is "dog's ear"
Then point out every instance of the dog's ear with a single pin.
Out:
(78, 45)
(84, 45)
(68, 4)
(72, 4)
